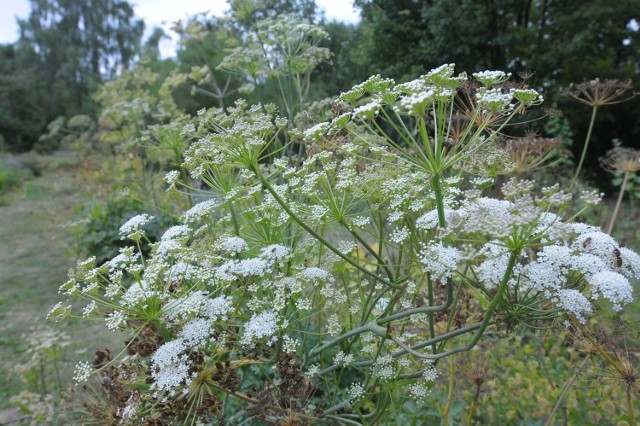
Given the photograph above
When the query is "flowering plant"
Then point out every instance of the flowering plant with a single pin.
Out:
(329, 289)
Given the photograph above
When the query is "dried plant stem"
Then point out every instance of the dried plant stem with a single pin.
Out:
(565, 390)
(586, 145)
(612, 222)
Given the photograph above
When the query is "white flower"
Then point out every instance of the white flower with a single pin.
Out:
(177, 232)
(133, 227)
(574, 302)
(170, 366)
(429, 373)
(196, 332)
(316, 132)
(114, 320)
(260, 326)
(491, 272)
(489, 78)
(383, 367)
(418, 391)
(82, 372)
(89, 309)
(342, 359)
(315, 275)
(399, 235)
(440, 261)
(368, 110)
(356, 390)
(276, 253)
(428, 220)
(171, 178)
(199, 211)
(494, 99)
(613, 287)
(630, 263)
(232, 245)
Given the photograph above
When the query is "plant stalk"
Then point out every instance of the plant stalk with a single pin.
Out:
(586, 145)
(612, 222)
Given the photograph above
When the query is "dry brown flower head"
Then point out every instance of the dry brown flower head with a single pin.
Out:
(621, 159)
(530, 152)
(598, 93)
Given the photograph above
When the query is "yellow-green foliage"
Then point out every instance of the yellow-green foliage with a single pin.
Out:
(518, 381)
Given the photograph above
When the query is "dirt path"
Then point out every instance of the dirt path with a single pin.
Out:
(33, 262)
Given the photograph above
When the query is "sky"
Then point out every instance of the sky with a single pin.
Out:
(163, 12)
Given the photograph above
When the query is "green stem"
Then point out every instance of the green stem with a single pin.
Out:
(452, 382)
(615, 211)
(487, 316)
(317, 236)
(410, 349)
(586, 145)
(630, 408)
(432, 328)
(381, 263)
(372, 326)
(437, 189)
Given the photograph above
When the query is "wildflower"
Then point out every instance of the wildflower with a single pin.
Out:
(276, 253)
(232, 245)
(89, 309)
(342, 359)
(440, 261)
(418, 391)
(59, 312)
(489, 78)
(170, 366)
(528, 96)
(171, 178)
(368, 111)
(430, 374)
(178, 232)
(494, 99)
(82, 372)
(114, 320)
(132, 229)
(399, 235)
(613, 287)
(200, 211)
(383, 367)
(260, 326)
(315, 275)
(575, 302)
(333, 325)
(356, 390)
(196, 332)
(316, 132)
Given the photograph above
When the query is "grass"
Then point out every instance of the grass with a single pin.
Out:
(33, 264)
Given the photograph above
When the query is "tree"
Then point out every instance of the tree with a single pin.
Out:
(78, 45)
(562, 41)
(21, 112)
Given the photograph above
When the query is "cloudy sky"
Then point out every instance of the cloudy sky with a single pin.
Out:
(157, 12)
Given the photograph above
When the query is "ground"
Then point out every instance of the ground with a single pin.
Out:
(35, 254)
